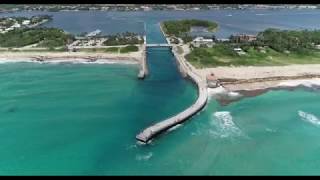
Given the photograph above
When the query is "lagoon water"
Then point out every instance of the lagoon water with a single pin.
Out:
(82, 118)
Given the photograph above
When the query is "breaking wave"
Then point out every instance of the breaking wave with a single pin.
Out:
(224, 125)
(144, 157)
(309, 118)
(174, 127)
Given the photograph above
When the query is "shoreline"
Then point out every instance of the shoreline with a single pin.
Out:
(235, 92)
(249, 81)
(71, 57)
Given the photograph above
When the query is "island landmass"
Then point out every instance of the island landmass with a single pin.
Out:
(246, 65)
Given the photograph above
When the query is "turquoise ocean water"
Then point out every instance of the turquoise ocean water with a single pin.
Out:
(82, 119)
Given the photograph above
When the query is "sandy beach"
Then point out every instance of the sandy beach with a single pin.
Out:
(96, 57)
(270, 76)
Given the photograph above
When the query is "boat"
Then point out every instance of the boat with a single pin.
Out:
(94, 33)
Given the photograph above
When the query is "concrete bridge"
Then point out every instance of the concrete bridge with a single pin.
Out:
(159, 45)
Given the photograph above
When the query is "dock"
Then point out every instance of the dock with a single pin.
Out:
(150, 132)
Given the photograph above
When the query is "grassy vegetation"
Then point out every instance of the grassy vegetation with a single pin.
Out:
(112, 49)
(126, 49)
(181, 28)
(130, 48)
(272, 47)
(223, 55)
(291, 40)
(101, 50)
(45, 37)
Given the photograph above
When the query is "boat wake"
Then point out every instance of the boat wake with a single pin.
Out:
(309, 118)
(224, 127)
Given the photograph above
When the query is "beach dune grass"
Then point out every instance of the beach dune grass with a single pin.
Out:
(130, 48)
(101, 50)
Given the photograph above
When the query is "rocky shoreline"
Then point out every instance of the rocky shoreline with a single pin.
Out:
(224, 96)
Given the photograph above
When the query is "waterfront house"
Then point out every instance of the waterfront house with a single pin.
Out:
(25, 22)
(243, 38)
(223, 40)
(16, 25)
(200, 41)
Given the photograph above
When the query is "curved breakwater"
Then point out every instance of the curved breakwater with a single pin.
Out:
(166, 124)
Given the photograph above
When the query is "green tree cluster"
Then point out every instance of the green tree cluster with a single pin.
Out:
(122, 39)
(130, 48)
(291, 40)
(45, 37)
(181, 28)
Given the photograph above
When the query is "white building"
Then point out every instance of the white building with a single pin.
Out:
(197, 42)
(16, 25)
(26, 22)
(9, 29)
(94, 33)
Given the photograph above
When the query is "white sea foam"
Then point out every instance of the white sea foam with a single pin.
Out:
(305, 83)
(174, 127)
(308, 117)
(133, 146)
(72, 61)
(144, 157)
(224, 125)
(140, 143)
(221, 92)
(270, 130)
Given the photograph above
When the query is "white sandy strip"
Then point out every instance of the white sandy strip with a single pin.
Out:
(249, 72)
(71, 57)
(302, 82)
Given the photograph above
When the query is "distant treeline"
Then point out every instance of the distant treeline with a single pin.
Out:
(291, 40)
(45, 37)
(127, 38)
(181, 28)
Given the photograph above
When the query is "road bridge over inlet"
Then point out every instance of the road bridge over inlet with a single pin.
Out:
(159, 45)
